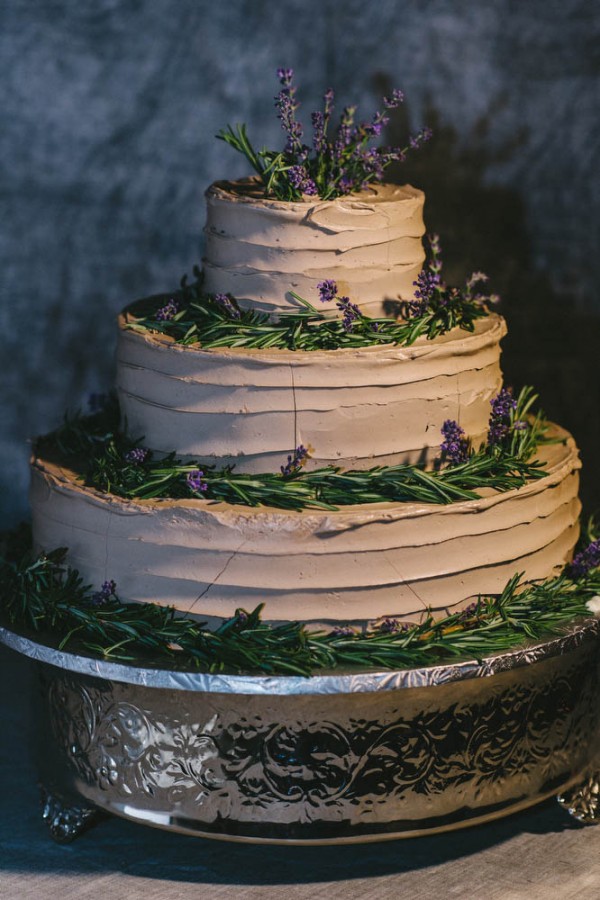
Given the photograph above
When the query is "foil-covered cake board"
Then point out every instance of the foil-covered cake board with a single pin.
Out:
(334, 758)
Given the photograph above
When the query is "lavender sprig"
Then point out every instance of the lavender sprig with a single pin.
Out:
(391, 625)
(106, 592)
(455, 446)
(230, 308)
(503, 406)
(296, 461)
(433, 297)
(586, 560)
(351, 314)
(196, 481)
(327, 290)
(168, 311)
(336, 164)
(286, 104)
(137, 455)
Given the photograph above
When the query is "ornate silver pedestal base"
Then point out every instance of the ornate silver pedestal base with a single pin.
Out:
(332, 758)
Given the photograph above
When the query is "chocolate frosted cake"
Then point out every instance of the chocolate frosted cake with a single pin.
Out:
(367, 400)
(379, 405)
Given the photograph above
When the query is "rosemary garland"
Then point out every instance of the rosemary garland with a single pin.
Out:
(192, 317)
(118, 465)
(41, 594)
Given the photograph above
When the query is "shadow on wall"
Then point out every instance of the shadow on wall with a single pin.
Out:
(482, 226)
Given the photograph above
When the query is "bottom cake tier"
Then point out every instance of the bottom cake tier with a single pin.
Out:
(354, 565)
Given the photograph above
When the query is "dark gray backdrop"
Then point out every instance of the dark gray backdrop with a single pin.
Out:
(109, 116)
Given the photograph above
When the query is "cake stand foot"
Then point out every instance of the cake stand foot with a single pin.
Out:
(582, 801)
(66, 821)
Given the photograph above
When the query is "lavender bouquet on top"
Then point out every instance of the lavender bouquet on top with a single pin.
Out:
(340, 160)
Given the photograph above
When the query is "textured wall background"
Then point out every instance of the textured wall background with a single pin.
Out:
(107, 140)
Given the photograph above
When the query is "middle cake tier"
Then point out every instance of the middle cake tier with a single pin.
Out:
(354, 407)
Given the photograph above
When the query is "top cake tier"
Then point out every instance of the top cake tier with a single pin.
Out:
(259, 250)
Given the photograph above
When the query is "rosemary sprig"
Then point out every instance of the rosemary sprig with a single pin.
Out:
(203, 322)
(111, 466)
(42, 594)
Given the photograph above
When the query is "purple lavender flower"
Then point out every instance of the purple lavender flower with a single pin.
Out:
(345, 133)
(296, 176)
(586, 560)
(429, 282)
(285, 102)
(342, 631)
(195, 481)
(374, 129)
(475, 278)
(395, 100)
(318, 123)
(345, 184)
(435, 249)
(138, 455)
(285, 76)
(327, 290)
(301, 180)
(328, 100)
(422, 136)
(389, 626)
(454, 447)
(227, 306)
(500, 419)
(476, 296)
(166, 312)
(392, 626)
(102, 596)
(372, 165)
(471, 610)
(295, 462)
(350, 312)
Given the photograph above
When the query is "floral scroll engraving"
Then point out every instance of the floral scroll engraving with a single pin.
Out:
(250, 753)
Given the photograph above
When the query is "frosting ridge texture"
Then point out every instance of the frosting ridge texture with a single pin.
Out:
(259, 249)
(356, 564)
(360, 408)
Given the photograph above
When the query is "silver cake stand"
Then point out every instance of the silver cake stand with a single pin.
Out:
(333, 758)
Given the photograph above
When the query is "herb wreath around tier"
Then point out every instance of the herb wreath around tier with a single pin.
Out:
(311, 459)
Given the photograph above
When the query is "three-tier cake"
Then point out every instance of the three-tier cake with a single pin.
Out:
(355, 408)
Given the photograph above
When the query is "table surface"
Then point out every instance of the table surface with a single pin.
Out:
(540, 853)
